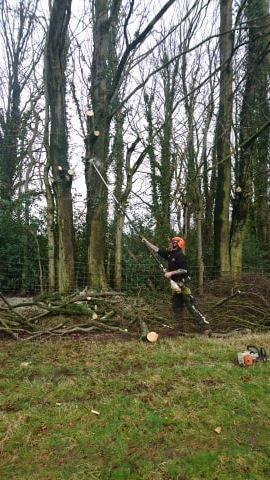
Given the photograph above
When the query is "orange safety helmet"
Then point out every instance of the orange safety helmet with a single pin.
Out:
(180, 241)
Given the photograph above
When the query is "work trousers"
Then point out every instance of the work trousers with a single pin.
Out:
(181, 300)
(178, 306)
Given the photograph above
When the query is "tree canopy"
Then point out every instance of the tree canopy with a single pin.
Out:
(170, 100)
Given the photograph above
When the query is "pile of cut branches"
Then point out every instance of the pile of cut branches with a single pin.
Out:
(228, 305)
(85, 312)
(245, 302)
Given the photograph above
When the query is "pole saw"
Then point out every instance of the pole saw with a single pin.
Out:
(123, 211)
(182, 288)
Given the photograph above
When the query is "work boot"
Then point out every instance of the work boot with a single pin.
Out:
(205, 329)
(204, 322)
(207, 332)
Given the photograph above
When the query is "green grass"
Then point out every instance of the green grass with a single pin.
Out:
(159, 407)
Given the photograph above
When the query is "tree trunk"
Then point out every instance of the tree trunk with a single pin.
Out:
(11, 129)
(97, 145)
(253, 116)
(55, 65)
(200, 262)
(51, 233)
(26, 241)
(106, 78)
(261, 187)
(162, 171)
(50, 204)
(118, 251)
(208, 186)
(166, 169)
(261, 163)
(18, 20)
(148, 102)
(97, 149)
(222, 144)
(118, 160)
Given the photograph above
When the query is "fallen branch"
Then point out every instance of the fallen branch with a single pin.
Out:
(8, 330)
(23, 319)
(92, 294)
(224, 300)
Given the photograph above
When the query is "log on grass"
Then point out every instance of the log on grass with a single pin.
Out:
(146, 335)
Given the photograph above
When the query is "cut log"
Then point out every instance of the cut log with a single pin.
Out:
(152, 337)
(146, 335)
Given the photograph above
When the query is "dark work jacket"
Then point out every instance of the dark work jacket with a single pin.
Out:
(176, 259)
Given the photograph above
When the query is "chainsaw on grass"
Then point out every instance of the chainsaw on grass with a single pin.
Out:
(252, 355)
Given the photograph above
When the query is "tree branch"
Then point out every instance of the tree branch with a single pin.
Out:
(136, 41)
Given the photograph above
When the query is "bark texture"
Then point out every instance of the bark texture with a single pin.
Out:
(55, 66)
(253, 148)
(97, 144)
(222, 144)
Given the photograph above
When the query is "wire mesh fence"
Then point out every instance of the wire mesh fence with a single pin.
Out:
(137, 276)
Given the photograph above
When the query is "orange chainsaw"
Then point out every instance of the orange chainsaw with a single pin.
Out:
(252, 355)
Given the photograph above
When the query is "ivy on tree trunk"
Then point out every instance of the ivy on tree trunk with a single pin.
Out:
(222, 143)
(54, 70)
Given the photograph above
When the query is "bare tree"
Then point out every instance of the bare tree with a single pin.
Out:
(55, 79)
(105, 84)
(18, 24)
(223, 143)
(254, 135)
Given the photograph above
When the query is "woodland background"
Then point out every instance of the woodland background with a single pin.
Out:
(171, 101)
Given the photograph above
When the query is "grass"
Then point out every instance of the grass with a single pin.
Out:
(159, 406)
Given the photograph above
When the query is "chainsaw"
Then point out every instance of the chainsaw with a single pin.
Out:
(252, 355)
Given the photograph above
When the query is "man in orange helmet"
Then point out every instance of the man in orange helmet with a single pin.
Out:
(177, 272)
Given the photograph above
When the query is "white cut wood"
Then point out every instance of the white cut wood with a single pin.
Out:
(152, 337)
